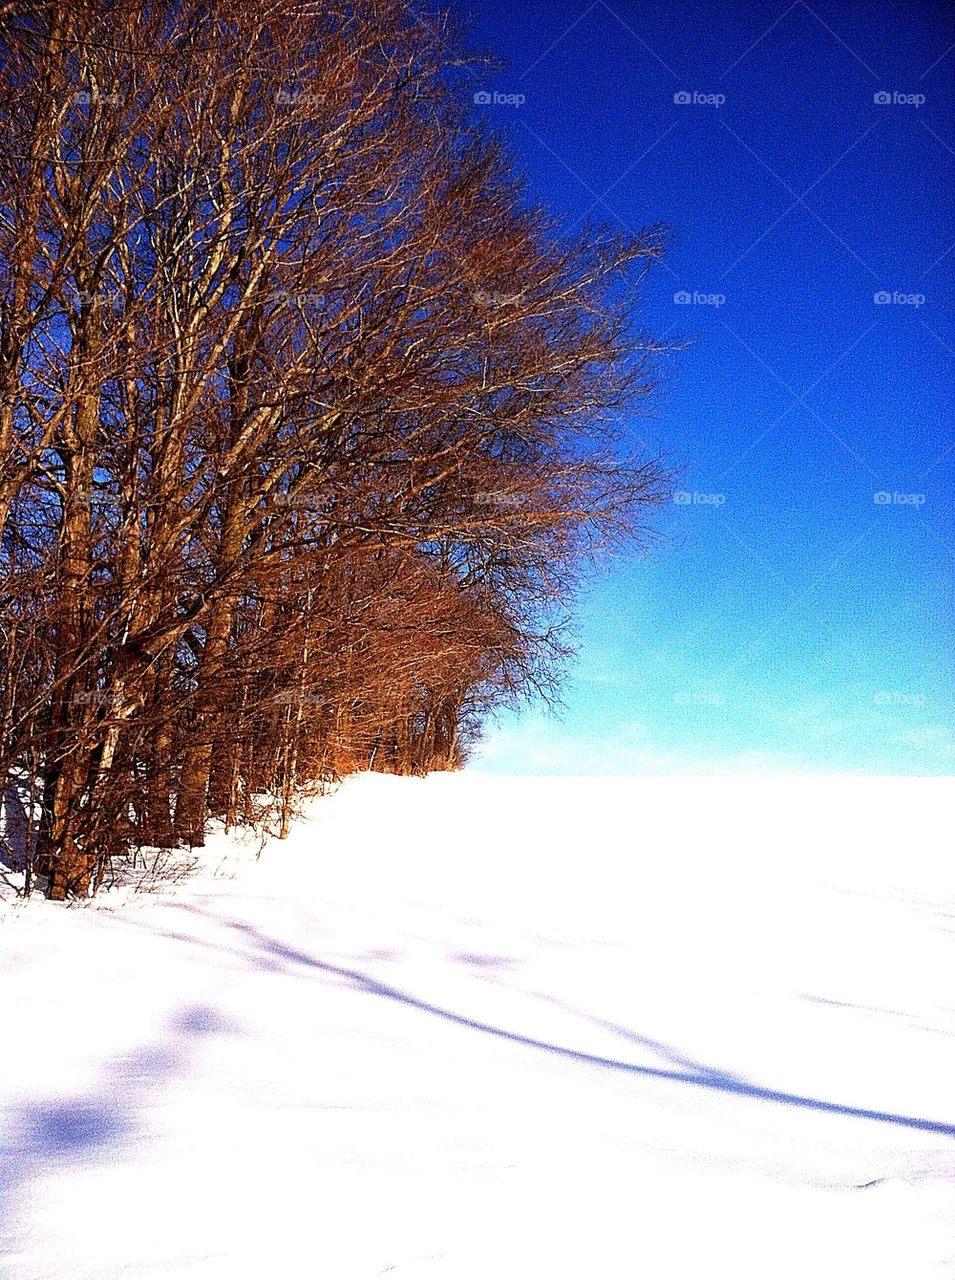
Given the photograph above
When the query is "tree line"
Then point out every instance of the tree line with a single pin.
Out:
(309, 416)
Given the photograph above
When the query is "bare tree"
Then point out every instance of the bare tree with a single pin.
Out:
(308, 418)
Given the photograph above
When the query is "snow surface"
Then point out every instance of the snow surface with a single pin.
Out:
(467, 1026)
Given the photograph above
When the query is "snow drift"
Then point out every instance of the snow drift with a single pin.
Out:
(465, 1026)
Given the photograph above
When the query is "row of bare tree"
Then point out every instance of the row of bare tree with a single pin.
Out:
(306, 412)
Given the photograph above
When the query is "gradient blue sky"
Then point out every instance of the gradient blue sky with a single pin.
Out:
(789, 621)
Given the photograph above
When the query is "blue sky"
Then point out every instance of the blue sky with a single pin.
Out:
(790, 620)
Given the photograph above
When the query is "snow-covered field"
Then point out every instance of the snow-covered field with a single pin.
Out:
(472, 1027)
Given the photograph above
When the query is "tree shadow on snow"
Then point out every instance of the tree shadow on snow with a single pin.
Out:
(44, 1135)
(16, 830)
(263, 952)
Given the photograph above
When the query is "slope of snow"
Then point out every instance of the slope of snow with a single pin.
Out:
(469, 1027)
